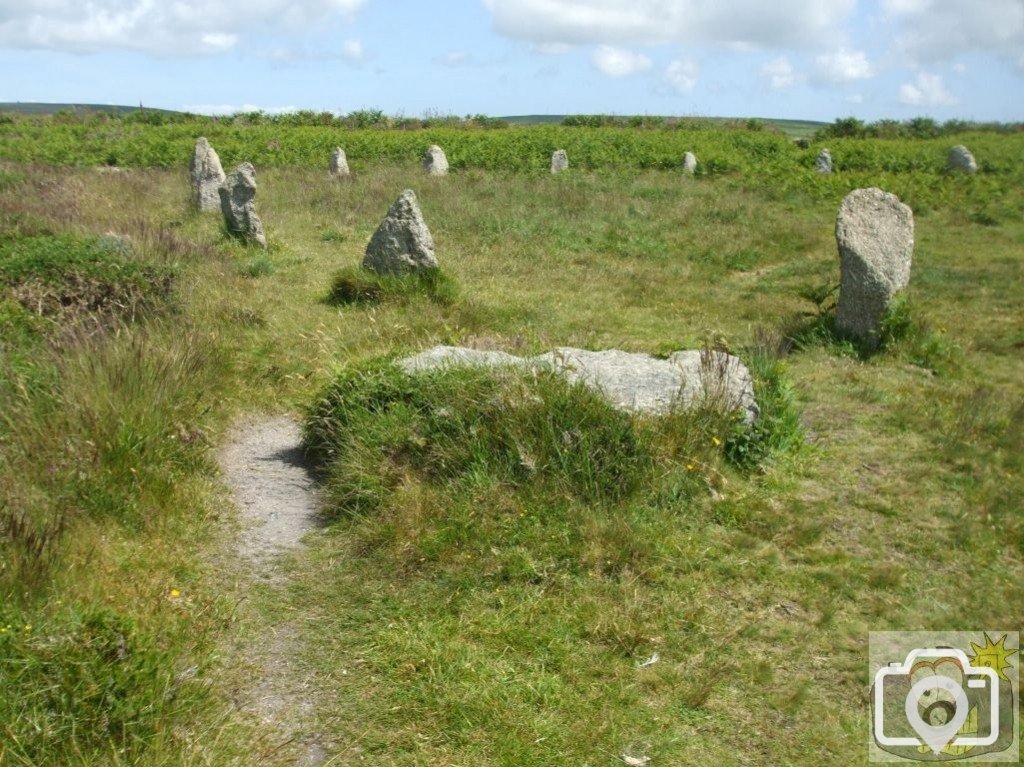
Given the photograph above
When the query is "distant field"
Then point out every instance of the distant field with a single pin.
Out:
(795, 129)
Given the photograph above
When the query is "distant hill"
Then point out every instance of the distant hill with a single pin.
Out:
(37, 108)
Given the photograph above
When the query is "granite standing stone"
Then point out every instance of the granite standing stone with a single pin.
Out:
(339, 163)
(689, 163)
(960, 160)
(435, 162)
(402, 243)
(238, 203)
(559, 161)
(824, 162)
(875, 234)
(207, 176)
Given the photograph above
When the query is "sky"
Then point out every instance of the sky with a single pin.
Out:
(798, 59)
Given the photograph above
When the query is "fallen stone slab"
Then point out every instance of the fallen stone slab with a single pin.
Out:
(629, 381)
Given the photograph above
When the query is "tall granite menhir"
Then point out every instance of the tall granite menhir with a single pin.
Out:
(338, 166)
(402, 243)
(207, 176)
(238, 203)
(435, 163)
(875, 234)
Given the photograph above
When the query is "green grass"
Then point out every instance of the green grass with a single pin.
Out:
(358, 285)
(495, 568)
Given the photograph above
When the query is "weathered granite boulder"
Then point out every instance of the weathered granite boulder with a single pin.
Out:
(458, 356)
(238, 203)
(402, 243)
(824, 162)
(960, 160)
(875, 234)
(338, 166)
(435, 162)
(207, 176)
(634, 382)
(689, 163)
(559, 161)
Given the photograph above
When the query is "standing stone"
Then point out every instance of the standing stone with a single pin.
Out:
(238, 203)
(875, 233)
(435, 162)
(207, 176)
(559, 161)
(689, 163)
(402, 243)
(824, 162)
(960, 160)
(339, 163)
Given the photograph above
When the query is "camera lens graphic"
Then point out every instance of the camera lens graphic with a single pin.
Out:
(942, 719)
(939, 713)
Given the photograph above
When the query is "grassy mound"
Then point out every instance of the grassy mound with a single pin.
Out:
(73, 278)
(360, 286)
(377, 430)
(532, 539)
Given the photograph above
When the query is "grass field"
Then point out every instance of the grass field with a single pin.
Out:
(475, 607)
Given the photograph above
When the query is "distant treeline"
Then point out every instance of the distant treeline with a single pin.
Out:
(919, 127)
(362, 119)
(359, 119)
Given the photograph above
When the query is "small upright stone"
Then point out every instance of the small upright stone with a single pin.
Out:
(435, 162)
(559, 161)
(238, 203)
(960, 160)
(824, 162)
(402, 243)
(207, 176)
(689, 163)
(875, 234)
(339, 163)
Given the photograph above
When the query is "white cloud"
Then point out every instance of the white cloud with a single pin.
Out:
(353, 50)
(219, 40)
(682, 75)
(182, 27)
(844, 66)
(618, 62)
(621, 22)
(939, 30)
(453, 59)
(780, 73)
(855, 98)
(926, 91)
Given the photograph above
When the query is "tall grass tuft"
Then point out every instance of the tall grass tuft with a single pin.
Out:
(361, 286)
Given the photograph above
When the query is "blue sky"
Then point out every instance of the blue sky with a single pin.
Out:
(812, 59)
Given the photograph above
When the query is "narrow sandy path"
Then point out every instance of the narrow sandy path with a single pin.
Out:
(277, 501)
